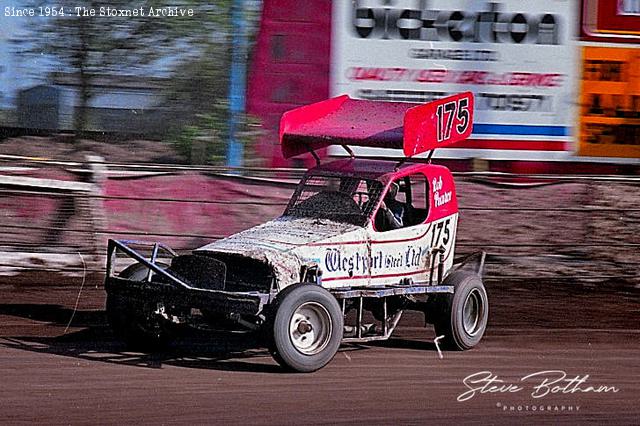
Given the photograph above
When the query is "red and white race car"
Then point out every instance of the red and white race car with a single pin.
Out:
(360, 242)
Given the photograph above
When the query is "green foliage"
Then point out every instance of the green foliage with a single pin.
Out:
(205, 140)
(87, 46)
(199, 88)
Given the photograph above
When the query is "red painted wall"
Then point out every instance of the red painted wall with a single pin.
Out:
(290, 66)
(230, 206)
(608, 23)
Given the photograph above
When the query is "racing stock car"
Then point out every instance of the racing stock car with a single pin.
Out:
(360, 242)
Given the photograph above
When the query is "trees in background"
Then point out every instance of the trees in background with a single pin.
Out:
(193, 51)
(200, 85)
(87, 47)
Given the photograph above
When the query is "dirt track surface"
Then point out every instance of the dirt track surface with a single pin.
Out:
(85, 376)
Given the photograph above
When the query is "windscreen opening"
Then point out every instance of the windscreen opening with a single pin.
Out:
(343, 199)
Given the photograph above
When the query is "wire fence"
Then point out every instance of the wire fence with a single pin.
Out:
(557, 227)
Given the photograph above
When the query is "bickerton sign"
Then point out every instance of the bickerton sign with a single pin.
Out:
(518, 57)
(419, 21)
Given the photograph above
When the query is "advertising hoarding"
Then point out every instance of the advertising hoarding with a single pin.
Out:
(610, 103)
(518, 57)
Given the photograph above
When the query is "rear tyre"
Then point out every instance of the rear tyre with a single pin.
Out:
(134, 321)
(307, 328)
(461, 317)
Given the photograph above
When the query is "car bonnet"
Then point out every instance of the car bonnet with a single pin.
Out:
(275, 243)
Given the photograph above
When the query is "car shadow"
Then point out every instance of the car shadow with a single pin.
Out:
(91, 339)
(201, 356)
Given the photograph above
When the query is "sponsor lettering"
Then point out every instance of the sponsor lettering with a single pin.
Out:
(335, 260)
(412, 257)
(513, 102)
(455, 55)
(416, 20)
(418, 96)
(441, 75)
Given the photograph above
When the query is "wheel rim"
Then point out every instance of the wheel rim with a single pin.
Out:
(310, 328)
(473, 311)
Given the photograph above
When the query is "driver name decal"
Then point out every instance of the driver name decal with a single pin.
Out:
(440, 198)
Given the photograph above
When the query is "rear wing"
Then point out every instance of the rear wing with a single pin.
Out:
(344, 121)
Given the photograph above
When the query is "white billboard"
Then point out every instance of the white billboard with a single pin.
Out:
(519, 58)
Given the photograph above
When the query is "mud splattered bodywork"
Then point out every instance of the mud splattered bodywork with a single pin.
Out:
(280, 244)
(330, 225)
(356, 235)
(328, 236)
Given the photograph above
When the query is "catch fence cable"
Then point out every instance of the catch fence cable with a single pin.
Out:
(511, 181)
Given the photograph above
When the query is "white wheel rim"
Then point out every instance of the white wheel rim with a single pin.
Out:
(310, 328)
(472, 312)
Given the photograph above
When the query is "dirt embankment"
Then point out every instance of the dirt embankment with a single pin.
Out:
(63, 149)
(582, 231)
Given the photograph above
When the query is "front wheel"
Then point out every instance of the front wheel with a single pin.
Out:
(307, 328)
(461, 317)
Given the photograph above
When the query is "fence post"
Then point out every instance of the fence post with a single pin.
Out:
(96, 207)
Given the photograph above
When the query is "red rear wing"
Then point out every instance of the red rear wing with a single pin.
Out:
(346, 121)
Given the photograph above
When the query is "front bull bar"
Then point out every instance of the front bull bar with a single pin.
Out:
(173, 288)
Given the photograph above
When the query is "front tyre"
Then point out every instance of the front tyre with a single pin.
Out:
(307, 328)
(461, 317)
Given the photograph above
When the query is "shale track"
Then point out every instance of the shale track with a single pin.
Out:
(84, 376)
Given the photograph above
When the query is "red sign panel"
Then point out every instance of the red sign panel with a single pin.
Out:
(611, 20)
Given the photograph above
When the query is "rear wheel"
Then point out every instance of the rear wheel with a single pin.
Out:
(461, 317)
(306, 329)
(136, 321)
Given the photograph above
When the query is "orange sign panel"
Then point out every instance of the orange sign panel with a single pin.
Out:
(610, 102)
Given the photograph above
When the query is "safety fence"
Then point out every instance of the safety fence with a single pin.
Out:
(564, 228)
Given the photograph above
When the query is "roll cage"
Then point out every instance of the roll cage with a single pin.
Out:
(351, 194)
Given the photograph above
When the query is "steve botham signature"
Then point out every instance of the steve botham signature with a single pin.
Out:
(541, 384)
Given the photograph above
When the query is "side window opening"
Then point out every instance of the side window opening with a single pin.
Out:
(419, 204)
(405, 204)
